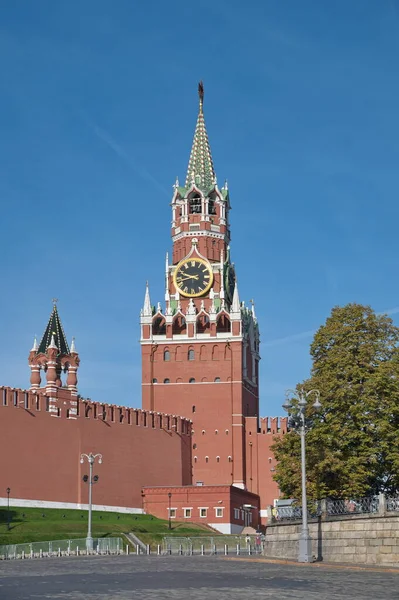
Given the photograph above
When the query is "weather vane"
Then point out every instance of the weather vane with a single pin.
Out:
(201, 92)
(55, 300)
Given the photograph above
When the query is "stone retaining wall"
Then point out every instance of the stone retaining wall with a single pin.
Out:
(354, 539)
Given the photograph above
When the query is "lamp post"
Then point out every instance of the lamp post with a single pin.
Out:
(8, 490)
(91, 458)
(170, 508)
(297, 420)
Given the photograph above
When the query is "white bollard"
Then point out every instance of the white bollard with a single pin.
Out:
(159, 550)
(202, 549)
(127, 548)
(23, 554)
(137, 549)
(148, 549)
(238, 549)
(40, 553)
(226, 549)
(181, 550)
(249, 549)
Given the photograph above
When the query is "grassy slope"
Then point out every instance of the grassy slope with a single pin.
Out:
(28, 525)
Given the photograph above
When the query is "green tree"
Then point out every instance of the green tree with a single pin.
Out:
(353, 444)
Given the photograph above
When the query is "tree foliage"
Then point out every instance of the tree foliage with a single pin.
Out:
(353, 444)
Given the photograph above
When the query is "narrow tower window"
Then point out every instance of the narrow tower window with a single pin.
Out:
(191, 354)
(166, 355)
(195, 205)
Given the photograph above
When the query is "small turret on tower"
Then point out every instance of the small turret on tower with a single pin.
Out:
(53, 356)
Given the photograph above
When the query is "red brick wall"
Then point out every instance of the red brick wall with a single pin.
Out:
(39, 453)
(260, 460)
(216, 409)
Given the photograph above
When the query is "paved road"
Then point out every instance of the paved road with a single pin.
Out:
(187, 578)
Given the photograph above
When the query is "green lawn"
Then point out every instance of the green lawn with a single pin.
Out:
(42, 524)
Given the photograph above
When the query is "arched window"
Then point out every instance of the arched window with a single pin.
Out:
(191, 354)
(217, 379)
(191, 380)
(159, 326)
(195, 204)
(215, 353)
(166, 380)
(223, 324)
(206, 458)
(203, 324)
(195, 459)
(193, 408)
(155, 381)
(203, 432)
(216, 431)
(166, 355)
(230, 459)
(203, 353)
(179, 326)
(218, 459)
(211, 207)
(227, 432)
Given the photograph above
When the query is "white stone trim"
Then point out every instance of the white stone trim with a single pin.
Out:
(194, 383)
(263, 512)
(24, 503)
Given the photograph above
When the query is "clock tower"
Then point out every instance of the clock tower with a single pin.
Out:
(200, 349)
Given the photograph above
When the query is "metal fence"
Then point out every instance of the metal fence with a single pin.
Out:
(294, 512)
(111, 545)
(392, 503)
(212, 545)
(352, 506)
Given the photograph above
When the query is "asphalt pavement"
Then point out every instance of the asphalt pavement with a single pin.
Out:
(188, 578)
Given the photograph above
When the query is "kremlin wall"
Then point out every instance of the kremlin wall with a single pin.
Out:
(198, 450)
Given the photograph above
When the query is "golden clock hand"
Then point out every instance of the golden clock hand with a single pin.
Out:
(184, 278)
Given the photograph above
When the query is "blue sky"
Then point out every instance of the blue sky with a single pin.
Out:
(98, 103)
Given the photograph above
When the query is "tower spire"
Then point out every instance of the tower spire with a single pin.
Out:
(54, 333)
(200, 167)
(147, 309)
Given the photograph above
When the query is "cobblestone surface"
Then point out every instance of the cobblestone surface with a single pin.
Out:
(187, 578)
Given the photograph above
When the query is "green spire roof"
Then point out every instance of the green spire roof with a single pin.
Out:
(200, 167)
(54, 328)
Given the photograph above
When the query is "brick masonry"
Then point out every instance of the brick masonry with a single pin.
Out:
(371, 540)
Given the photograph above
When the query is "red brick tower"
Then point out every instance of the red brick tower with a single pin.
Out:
(200, 353)
(54, 357)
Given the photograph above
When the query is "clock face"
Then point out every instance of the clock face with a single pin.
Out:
(193, 277)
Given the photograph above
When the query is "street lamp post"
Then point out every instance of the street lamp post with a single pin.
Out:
(170, 509)
(8, 490)
(297, 420)
(91, 458)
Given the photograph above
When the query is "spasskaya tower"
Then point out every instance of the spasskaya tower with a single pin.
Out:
(200, 350)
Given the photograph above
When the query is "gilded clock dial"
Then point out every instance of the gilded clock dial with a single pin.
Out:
(193, 277)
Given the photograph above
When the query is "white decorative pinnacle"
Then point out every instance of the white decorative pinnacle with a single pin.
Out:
(253, 310)
(202, 305)
(235, 305)
(176, 184)
(73, 347)
(147, 310)
(167, 297)
(159, 307)
(191, 308)
(221, 274)
(35, 347)
(52, 343)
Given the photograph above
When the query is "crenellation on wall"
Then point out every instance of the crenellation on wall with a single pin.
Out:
(65, 406)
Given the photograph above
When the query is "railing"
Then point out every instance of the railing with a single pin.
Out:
(392, 503)
(353, 506)
(213, 545)
(369, 505)
(294, 512)
(62, 548)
